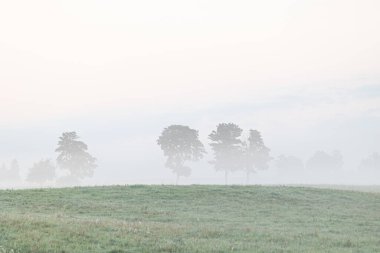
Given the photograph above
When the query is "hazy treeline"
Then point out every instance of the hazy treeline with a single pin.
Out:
(73, 163)
(232, 151)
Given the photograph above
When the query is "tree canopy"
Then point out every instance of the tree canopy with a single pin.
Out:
(180, 144)
(324, 161)
(227, 148)
(255, 153)
(73, 156)
(41, 172)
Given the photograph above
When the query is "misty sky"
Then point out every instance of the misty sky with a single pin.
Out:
(304, 73)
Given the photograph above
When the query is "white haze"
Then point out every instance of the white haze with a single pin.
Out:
(306, 74)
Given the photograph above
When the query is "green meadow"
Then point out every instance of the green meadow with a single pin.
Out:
(189, 219)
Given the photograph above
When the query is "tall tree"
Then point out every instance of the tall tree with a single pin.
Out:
(41, 172)
(256, 154)
(73, 156)
(227, 148)
(180, 144)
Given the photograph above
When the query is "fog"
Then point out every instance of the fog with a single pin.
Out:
(303, 74)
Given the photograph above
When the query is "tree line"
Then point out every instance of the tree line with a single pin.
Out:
(73, 164)
(232, 152)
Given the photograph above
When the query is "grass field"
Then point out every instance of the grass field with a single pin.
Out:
(189, 219)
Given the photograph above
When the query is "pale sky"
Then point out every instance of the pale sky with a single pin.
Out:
(298, 65)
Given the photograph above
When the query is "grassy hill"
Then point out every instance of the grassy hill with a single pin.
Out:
(189, 219)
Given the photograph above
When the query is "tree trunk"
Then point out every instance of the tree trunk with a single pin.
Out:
(226, 177)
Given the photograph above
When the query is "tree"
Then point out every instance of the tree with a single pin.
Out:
(372, 162)
(227, 148)
(41, 172)
(324, 161)
(180, 144)
(73, 157)
(289, 163)
(255, 154)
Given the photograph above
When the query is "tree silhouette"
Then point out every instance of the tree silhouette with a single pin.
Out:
(180, 144)
(74, 158)
(255, 154)
(41, 172)
(324, 161)
(227, 148)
